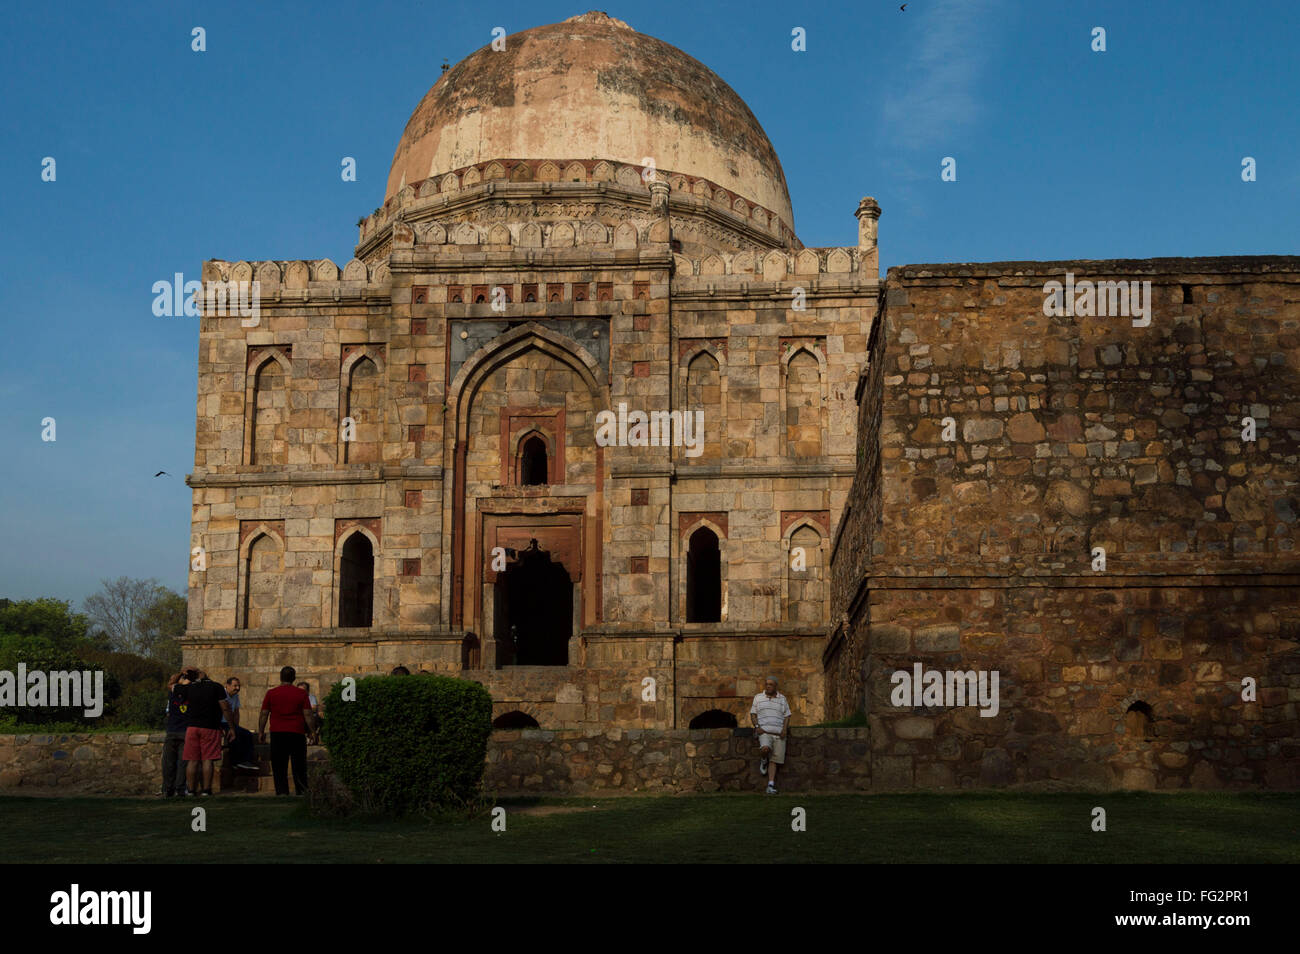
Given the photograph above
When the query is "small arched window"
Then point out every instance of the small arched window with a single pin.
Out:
(703, 578)
(515, 720)
(356, 581)
(1139, 721)
(532, 462)
(714, 719)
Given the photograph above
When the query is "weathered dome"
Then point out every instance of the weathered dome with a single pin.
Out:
(591, 88)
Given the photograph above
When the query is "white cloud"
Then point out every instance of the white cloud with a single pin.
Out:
(937, 94)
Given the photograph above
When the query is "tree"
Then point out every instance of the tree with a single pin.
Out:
(139, 616)
(162, 625)
(48, 618)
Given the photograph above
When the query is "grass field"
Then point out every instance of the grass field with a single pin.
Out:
(902, 828)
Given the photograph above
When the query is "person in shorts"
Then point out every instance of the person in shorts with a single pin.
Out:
(770, 715)
(205, 707)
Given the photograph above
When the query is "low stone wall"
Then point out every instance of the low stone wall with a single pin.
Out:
(531, 761)
(911, 752)
(100, 764)
(675, 761)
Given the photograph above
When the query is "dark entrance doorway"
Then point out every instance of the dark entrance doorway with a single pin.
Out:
(534, 611)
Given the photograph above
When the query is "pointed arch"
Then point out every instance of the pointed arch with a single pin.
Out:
(266, 407)
(355, 554)
(362, 387)
(261, 579)
(534, 460)
(805, 599)
(702, 387)
(465, 580)
(703, 576)
(803, 401)
(503, 348)
(702, 580)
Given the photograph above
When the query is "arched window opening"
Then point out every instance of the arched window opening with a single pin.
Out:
(704, 394)
(515, 720)
(264, 574)
(806, 590)
(362, 403)
(532, 462)
(1139, 721)
(714, 719)
(356, 581)
(803, 406)
(703, 578)
(270, 415)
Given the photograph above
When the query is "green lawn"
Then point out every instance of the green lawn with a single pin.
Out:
(721, 828)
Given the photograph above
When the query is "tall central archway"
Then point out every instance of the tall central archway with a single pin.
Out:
(550, 382)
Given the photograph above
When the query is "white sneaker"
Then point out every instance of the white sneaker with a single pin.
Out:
(771, 789)
(762, 766)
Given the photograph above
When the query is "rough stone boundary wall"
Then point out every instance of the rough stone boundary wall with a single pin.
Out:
(533, 761)
(617, 761)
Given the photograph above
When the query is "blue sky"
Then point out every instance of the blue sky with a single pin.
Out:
(166, 157)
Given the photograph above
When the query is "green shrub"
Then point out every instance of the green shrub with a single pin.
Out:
(142, 708)
(409, 743)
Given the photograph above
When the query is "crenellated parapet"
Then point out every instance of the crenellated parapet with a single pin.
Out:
(302, 279)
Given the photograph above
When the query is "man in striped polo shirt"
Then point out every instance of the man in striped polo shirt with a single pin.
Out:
(770, 715)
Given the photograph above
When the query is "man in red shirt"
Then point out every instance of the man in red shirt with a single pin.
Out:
(289, 710)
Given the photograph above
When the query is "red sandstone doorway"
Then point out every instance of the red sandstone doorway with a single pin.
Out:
(533, 610)
(536, 580)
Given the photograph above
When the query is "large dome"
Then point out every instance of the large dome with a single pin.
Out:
(591, 88)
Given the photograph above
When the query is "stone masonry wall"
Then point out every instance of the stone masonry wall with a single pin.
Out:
(845, 657)
(530, 761)
(1064, 435)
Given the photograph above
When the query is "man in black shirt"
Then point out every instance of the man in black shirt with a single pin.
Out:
(205, 706)
(173, 764)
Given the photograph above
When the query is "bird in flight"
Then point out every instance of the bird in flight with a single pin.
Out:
(903, 7)
(162, 473)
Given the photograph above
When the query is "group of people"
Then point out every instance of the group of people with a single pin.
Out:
(203, 716)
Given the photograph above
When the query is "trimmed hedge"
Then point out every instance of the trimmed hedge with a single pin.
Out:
(409, 743)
